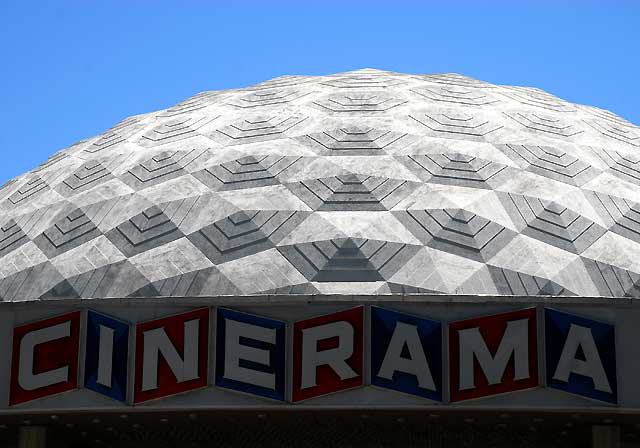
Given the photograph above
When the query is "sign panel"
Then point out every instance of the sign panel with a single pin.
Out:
(250, 354)
(328, 354)
(453, 356)
(493, 355)
(45, 358)
(172, 355)
(106, 356)
(581, 356)
(406, 353)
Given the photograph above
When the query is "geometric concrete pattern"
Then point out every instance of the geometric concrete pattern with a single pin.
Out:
(366, 182)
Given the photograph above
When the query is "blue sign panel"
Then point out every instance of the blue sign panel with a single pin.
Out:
(250, 354)
(107, 356)
(406, 353)
(581, 356)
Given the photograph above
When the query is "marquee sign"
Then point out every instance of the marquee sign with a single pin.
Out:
(300, 360)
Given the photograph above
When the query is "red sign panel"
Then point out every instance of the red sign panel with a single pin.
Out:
(328, 354)
(45, 358)
(493, 355)
(172, 355)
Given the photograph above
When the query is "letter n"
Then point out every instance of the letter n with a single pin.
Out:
(172, 355)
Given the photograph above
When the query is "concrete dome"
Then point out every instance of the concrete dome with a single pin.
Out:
(366, 182)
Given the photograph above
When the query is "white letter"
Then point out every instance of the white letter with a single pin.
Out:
(105, 356)
(26, 378)
(592, 366)
(234, 352)
(335, 357)
(156, 341)
(515, 340)
(417, 364)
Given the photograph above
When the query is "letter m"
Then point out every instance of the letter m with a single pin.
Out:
(493, 355)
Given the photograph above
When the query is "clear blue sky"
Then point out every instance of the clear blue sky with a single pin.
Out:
(71, 69)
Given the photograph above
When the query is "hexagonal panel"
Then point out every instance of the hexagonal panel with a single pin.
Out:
(621, 164)
(117, 134)
(87, 176)
(360, 102)
(457, 231)
(457, 123)
(355, 140)
(268, 98)
(535, 97)
(196, 102)
(457, 169)
(174, 130)
(160, 168)
(622, 133)
(245, 172)
(622, 215)
(245, 233)
(551, 222)
(364, 81)
(457, 95)
(550, 162)
(455, 79)
(546, 123)
(348, 259)
(351, 192)
(256, 129)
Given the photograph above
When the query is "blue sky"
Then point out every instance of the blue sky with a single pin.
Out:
(71, 69)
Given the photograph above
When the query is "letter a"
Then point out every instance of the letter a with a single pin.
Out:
(581, 337)
(416, 365)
